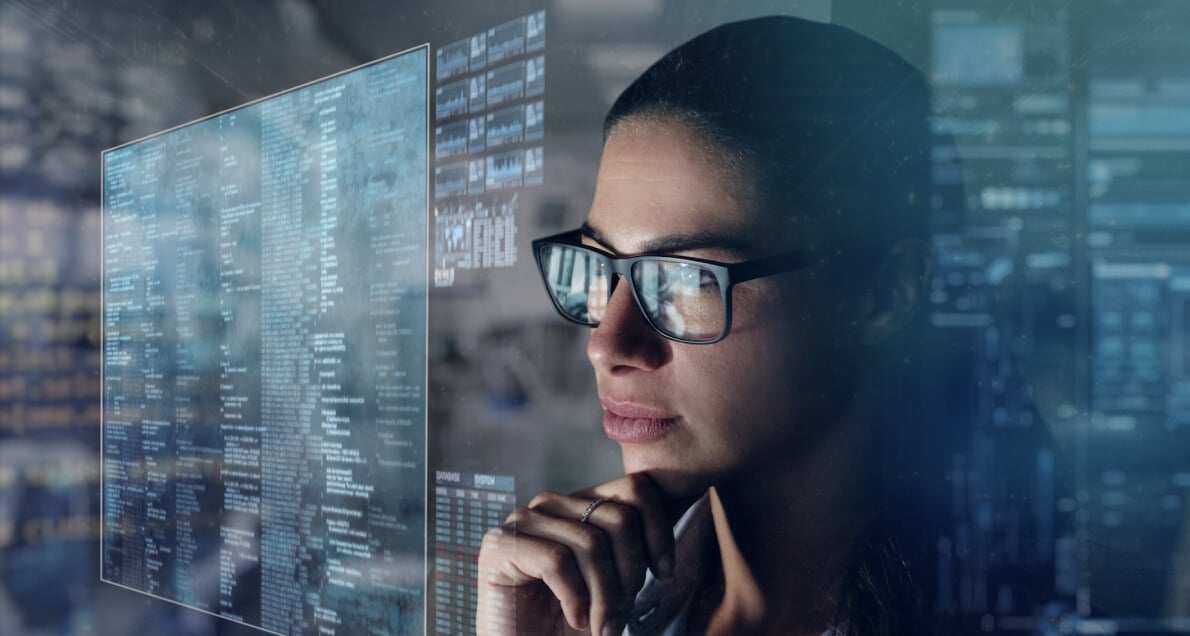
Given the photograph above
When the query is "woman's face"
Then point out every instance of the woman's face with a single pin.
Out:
(694, 415)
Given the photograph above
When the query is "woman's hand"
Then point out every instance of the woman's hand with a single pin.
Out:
(544, 570)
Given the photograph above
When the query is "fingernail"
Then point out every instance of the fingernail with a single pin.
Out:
(609, 629)
(665, 566)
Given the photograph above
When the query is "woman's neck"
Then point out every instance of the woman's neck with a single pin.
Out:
(785, 536)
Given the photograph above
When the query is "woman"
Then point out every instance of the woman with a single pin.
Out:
(750, 262)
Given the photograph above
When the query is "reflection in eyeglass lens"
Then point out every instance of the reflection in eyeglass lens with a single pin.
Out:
(682, 298)
(597, 293)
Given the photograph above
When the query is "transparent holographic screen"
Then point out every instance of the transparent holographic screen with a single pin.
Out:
(264, 363)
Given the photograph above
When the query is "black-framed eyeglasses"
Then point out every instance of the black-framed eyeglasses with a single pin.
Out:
(684, 299)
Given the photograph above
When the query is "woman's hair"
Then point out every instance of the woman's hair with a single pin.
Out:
(830, 131)
(827, 125)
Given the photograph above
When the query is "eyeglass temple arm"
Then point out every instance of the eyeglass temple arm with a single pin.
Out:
(768, 265)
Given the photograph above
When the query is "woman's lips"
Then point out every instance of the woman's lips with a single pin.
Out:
(633, 423)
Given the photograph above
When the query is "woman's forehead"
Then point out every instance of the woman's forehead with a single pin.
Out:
(668, 242)
(658, 186)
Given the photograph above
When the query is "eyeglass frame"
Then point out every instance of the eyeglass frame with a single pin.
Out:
(727, 275)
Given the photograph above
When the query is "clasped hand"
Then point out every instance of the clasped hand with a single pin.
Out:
(546, 570)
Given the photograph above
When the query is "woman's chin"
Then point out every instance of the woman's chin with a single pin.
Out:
(672, 482)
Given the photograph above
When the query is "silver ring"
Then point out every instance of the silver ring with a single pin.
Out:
(591, 508)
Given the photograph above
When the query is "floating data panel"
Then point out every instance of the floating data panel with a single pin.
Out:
(1004, 220)
(465, 507)
(264, 367)
(489, 129)
(1138, 226)
(1062, 212)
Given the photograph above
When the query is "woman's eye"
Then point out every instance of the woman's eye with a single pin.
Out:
(691, 279)
(707, 281)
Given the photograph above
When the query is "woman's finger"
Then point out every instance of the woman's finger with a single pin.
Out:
(511, 560)
(620, 523)
(640, 493)
(593, 551)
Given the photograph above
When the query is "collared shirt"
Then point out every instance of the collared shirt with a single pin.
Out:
(663, 606)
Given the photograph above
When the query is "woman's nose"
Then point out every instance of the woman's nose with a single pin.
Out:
(624, 340)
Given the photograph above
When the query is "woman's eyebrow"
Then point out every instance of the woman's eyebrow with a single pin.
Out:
(587, 230)
(679, 242)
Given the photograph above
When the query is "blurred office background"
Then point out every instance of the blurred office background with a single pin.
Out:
(1062, 221)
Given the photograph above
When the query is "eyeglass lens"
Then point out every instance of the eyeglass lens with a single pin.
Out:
(680, 299)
